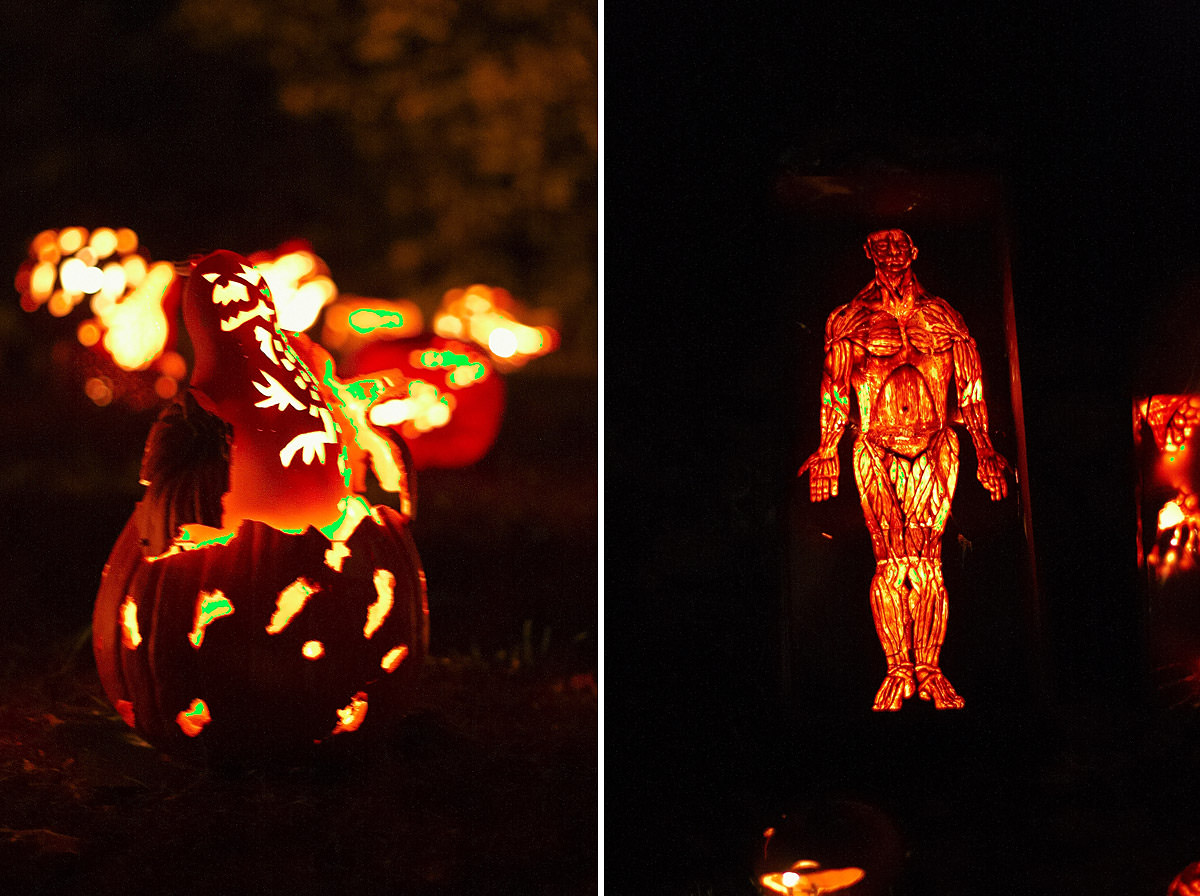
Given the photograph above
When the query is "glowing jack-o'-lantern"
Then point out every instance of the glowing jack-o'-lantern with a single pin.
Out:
(1187, 882)
(806, 877)
(256, 600)
(835, 846)
(492, 319)
(450, 413)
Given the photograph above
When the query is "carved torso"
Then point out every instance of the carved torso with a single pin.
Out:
(901, 365)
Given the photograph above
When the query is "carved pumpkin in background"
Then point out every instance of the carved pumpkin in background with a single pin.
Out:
(454, 405)
(830, 846)
(255, 600)
(1187, 882)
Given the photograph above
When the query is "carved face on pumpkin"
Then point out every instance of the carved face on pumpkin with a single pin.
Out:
(285, 438)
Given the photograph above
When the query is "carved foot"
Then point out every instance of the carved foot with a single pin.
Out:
(898, 685)
(933, 685)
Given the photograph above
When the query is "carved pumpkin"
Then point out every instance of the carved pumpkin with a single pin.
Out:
(255, 600)
(268, 641)
(452, 412)
(1187, 882)
(832, 846)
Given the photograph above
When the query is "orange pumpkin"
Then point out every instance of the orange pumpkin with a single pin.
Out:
(255, 600)
(455, 402)
(270, 641)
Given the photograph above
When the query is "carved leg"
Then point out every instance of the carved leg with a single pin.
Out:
(930, 608)
(876, 473)
(906, 502)
(938, 470)
(889, 606)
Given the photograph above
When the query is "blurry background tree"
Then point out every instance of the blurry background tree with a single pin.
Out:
(475, 120)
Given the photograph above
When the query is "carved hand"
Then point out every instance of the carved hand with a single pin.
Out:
(991, 474)
(822, 476)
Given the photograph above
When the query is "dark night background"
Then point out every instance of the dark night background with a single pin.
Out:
(1072, 775)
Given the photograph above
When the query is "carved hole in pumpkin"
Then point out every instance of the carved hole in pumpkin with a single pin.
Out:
(313, 650)
(130, 636)
(336, 555)
(351, 715)
(393, 658)
(290, 602)
(210, 606)
(193, 719)
(385, 582)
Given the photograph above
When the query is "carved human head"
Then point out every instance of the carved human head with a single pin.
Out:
(891, 250)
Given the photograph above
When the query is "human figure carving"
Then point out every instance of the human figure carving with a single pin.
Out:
(897, 348)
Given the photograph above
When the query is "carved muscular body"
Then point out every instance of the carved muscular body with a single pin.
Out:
(897, 348)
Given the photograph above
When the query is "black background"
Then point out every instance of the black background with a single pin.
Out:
(1073, 772)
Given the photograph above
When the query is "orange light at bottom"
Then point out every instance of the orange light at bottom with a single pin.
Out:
(806, 877)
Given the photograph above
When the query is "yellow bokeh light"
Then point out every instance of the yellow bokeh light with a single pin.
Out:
(91, 280)
(351, 715)
(72, 275)
(313, 650)
(103, 242)
(137, 327)
(135, 269)
(88, 333)
(71, 240)
(530, 340)
(114, 280)
(41, 280)
(392, 659)
(127, 240)
(448, 325)
(502, 342)
(60, 304)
